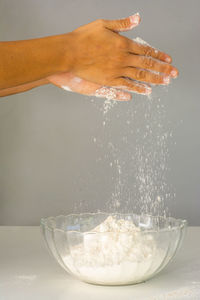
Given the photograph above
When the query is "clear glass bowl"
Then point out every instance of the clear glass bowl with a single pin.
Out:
(136, 256)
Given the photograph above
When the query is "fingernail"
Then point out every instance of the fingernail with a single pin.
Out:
(174, 73)
(166, 80)
(135, 18)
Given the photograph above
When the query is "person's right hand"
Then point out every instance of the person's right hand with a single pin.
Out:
(103, 59)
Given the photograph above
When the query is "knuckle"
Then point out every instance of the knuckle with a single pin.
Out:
(118, 59)
(140, 74)
(156, 78)
(121, 43)
(125, 23)
(129, 85)
(147, 51)
(100, 22)
(166, 68)
(127, 61)
(148, 63)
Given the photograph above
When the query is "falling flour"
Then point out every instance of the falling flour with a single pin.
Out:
(132, 162)
(114, 252)
(110, 95)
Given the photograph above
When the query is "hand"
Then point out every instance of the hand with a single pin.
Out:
(69, 82)
(93, 59)
(105, 59)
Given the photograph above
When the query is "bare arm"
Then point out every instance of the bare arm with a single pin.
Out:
(31, 60)
(95, 53)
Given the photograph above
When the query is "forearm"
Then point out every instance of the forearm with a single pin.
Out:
(32, 60)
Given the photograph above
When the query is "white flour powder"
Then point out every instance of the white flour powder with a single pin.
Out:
(141, 41)
(144, 43)
(115, 252)
(110, 95)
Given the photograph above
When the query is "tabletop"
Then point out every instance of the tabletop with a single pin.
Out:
(27, 271)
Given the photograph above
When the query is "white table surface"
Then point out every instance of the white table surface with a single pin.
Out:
(27, 271)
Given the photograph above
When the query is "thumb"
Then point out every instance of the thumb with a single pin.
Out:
(123, 24)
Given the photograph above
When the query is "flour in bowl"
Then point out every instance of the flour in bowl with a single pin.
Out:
(114, 252)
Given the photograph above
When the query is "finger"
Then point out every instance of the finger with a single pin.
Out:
(131, 86)
(146, 50)
(123, 24)
(145, 76)
(153, 64)
(112, 94)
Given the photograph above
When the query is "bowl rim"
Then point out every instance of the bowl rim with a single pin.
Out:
(182, 222)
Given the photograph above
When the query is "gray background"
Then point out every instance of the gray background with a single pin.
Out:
(48, 161)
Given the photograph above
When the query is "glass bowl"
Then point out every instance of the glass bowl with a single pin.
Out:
(104, 256)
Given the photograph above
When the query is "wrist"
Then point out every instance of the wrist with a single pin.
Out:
(32, 60)
(65, 52)
(54, 55)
